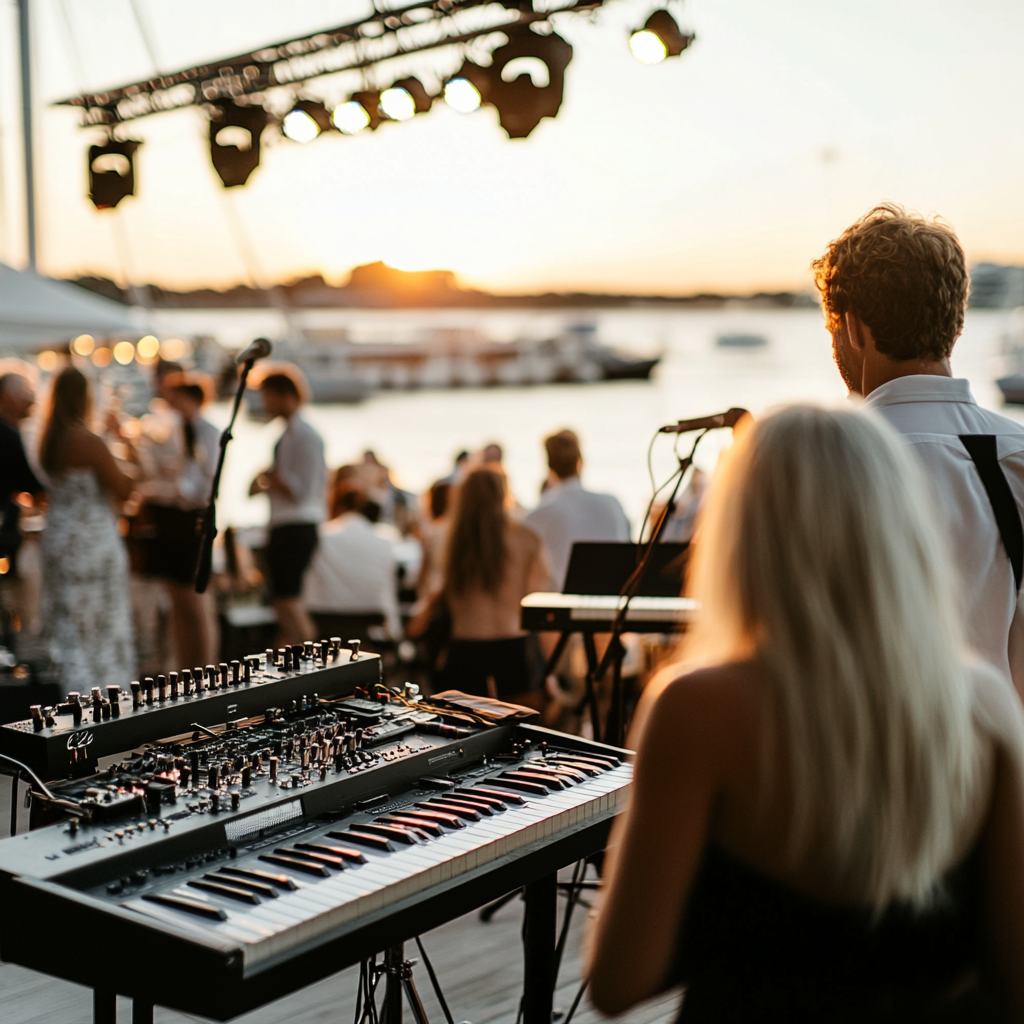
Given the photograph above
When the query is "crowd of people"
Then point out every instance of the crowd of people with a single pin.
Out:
(124, 503)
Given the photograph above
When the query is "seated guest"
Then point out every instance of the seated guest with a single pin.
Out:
(353, 569)
(432, 540)
(568, 513)
(491, 563)
(827, 818)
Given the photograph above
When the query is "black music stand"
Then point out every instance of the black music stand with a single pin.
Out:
(602, 568)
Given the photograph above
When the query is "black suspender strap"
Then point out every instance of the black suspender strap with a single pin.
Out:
(982, 449)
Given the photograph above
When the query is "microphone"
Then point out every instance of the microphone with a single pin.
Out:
(259, 349)
(723, 419)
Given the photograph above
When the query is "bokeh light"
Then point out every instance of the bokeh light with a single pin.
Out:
(48, 361)
(175, 348)
(398, 104)
(350, 117)
(647, 47)
(101, 356)
(462, 95)
(147, 348)
(124, 352)
(299, 126)
(83, 344)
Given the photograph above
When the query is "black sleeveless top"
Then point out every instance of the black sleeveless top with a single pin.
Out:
(753, 949)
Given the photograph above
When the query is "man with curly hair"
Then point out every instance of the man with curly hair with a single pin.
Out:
(894, 290)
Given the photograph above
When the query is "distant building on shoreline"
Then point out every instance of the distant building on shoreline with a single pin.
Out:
(996, 287)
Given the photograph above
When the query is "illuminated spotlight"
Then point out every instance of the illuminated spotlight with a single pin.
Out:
(83, 344)
(350, 118)
(147, 348)
(124, 352)
(235, 141)
(306, 120)
(420, 97)
(47, 360)
(398, 103)
(647, 47)
(462, 95)
(101, 357)
(660, 37)
(299, 126)
(111, 172)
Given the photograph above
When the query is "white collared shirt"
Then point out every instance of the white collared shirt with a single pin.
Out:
(567, 513)
(931, 412)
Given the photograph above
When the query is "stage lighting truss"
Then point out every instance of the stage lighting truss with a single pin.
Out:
(242, 95)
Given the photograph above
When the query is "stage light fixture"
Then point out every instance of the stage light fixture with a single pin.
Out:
(350, 118)
(235, 141)
(422, 100)
(111, 172)
(305, 121)
(660, 37)
(462, 95)
(521, 102)
(397, 103)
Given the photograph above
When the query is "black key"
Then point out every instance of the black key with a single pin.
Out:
(480, 806)
(524, 786)
(606, 762)
(564, 771)
(230, 892)
(399, 835)
(581, 766)
(307, 867)
(378, 843)
(321, 858)
(551, 781)
(207, 910)
(429, 827)
(335, 851)
(500, 794)
(278, 881)
(438, 817)
(266, 891)
(463, 811)
(475, 797)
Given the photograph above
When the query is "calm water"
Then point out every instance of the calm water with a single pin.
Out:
(418, 433)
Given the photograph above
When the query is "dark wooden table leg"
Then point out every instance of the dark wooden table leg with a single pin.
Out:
(539, 950)
(142, 1012)
(104, 1006)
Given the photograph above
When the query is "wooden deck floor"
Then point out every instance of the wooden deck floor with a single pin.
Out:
(478, 964)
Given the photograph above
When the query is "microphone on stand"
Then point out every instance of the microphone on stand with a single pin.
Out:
(723, 419)
(259, 349)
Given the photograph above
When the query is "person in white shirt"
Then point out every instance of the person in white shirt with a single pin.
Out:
(296, 485)
(568, 513)
(353, 570)
(894, 289)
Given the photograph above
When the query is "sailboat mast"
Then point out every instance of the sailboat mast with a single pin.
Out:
(26, 123)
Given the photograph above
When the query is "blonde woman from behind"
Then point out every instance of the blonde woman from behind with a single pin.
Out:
(827, 821)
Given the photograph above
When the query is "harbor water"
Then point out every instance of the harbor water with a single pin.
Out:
(418, 433)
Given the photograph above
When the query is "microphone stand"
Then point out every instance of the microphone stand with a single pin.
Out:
(209, 520)
(615, 727)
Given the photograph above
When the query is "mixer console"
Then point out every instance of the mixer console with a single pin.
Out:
(257, 855)
(70, 738)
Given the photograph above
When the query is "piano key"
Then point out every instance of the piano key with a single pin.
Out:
(451, 821)
(463, 811)
(523, 785)
(536, 775)
(362, 839)
(320, 858)
(187, 906)
(500, 794)
(477, 799)
(399, 835)
(335, 851)
(294, 864)
(281, 881)
(260, 888)
(429, 827)
(223, 889)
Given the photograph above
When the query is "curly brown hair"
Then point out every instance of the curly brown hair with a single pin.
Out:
(903, 275)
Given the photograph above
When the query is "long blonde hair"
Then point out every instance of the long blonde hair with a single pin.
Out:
(818, 554)
(70, 405)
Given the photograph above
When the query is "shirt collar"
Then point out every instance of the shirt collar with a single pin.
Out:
(921, 388)
(552, 491)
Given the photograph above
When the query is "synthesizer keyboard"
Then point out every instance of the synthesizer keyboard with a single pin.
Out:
(595, 613)
(260, 856)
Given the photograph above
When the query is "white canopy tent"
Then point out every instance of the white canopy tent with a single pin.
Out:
(36, 311)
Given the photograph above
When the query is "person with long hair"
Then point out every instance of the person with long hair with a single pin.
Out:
(491, 563)
(827, 816)
(86, 609)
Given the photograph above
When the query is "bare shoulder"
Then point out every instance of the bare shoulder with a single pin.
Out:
(525, 536)
(708, 708)
(84, 448)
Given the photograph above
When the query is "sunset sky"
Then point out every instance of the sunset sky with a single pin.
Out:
(727, 168)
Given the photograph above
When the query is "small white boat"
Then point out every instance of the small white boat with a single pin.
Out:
(741, 341)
